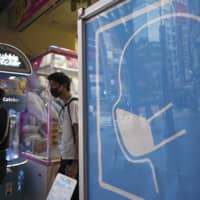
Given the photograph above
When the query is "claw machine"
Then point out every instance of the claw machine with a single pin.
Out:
(15, 69)
(41, 123)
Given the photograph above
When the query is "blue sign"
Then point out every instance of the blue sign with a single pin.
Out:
(143, 101)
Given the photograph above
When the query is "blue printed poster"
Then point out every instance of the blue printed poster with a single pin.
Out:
(143, 101)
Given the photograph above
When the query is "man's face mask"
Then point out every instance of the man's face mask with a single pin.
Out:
(55, 92)
(55, 88)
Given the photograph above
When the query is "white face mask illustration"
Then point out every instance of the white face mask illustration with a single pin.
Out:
(136, 131)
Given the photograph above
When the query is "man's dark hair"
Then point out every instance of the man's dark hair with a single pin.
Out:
(60, 78)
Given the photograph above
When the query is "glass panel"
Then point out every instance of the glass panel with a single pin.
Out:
(40, 123)
(15, 102)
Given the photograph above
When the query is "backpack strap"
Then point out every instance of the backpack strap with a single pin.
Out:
(68, 106)
(68, 109)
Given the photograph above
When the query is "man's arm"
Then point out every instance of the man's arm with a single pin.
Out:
(76, 142)
(72, 170)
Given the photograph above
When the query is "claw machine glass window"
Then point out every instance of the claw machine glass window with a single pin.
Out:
(40, 123)
(15, 102)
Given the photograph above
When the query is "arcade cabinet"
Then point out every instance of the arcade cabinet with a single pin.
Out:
(14, 70)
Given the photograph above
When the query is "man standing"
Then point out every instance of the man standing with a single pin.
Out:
(60, 88)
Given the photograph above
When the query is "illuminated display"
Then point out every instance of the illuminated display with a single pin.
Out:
(12, 60)
(9, 60)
